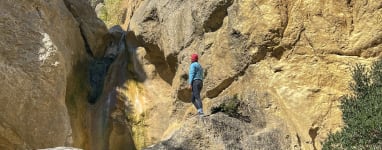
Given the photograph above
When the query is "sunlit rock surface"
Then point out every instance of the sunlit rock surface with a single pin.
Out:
(296, 55)
(287, 62)
(43, 61)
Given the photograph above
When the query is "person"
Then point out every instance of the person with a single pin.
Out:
(195, 80)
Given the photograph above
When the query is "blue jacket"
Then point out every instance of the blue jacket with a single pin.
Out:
(196, 72)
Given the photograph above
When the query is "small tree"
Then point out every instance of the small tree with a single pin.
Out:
(362, 112)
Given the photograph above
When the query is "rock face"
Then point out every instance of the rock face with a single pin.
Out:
(43, 60)
(93, 29)
(110, 126)
(295, 55)
(286, 62)
(61, 148)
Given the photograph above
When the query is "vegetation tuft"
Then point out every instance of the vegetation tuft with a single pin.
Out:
(112, 13)
(231, 108)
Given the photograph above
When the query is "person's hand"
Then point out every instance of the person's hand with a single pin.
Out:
(190, 87)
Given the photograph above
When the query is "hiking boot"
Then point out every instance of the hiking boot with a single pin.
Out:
(201, 114)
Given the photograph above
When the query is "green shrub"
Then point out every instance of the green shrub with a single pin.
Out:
(362, 112)
(231, 107)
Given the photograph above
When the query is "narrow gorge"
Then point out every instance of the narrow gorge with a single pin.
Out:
(112, 74)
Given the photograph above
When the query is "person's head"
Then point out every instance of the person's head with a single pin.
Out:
(194, 57)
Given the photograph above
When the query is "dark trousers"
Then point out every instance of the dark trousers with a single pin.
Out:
(196, 88)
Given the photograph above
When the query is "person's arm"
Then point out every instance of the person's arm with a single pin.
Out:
(191, 74)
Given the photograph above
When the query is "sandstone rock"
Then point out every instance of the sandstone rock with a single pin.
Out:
(94, 3)
(297, 55)
(34, 68)
(61, 148)
(221, 132)
(99, 9)
(92, 28)
(246, 130)
(43, 65)
(109, 121)
(289, 61)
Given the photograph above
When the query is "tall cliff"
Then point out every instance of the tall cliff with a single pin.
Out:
(46, 47)
(281, 65)
(288, 62)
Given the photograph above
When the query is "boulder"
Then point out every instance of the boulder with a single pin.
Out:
(43, 65)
